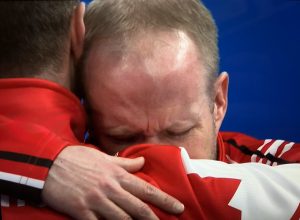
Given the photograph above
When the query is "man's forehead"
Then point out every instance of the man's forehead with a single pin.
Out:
(159, 55)
(136, 117)
(170, 76)
(129, 124)
(147, 93)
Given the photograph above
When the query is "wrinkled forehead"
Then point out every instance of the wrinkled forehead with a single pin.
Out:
(158, 66)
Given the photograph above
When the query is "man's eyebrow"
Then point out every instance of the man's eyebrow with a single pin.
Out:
(178, 127)
(184, 123)
(120, 130)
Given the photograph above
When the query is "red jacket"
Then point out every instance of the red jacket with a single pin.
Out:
(38, 119)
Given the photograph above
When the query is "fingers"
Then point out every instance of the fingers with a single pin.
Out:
(130, 165)
(110, 210)
(88, 215)
(133, 206)
(105, 188)
(151, 194)
(144, 190)
(114, 202)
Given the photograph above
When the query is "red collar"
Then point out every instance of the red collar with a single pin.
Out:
(221, 148)
(44, 103)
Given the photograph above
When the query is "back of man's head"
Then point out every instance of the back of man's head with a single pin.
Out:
(33, 36)
(124, 19)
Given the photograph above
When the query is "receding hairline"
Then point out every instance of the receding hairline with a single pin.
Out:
(127, 44)
(118, 52)
(121, 20)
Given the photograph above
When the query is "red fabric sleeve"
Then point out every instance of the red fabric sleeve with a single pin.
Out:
(26, 155)
(165, 169)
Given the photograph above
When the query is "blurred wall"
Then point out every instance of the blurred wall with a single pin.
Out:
(259, 44)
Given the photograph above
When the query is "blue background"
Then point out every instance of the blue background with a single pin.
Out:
(259, 44)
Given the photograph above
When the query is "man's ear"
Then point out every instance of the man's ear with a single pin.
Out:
(77, 31)
(220, 99)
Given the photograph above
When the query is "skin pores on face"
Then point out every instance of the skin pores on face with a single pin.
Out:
(151, 90)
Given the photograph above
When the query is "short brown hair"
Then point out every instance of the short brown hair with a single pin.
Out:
(106, 19)
(33, 36)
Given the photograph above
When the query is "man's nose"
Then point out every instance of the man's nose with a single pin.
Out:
(153, 140)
